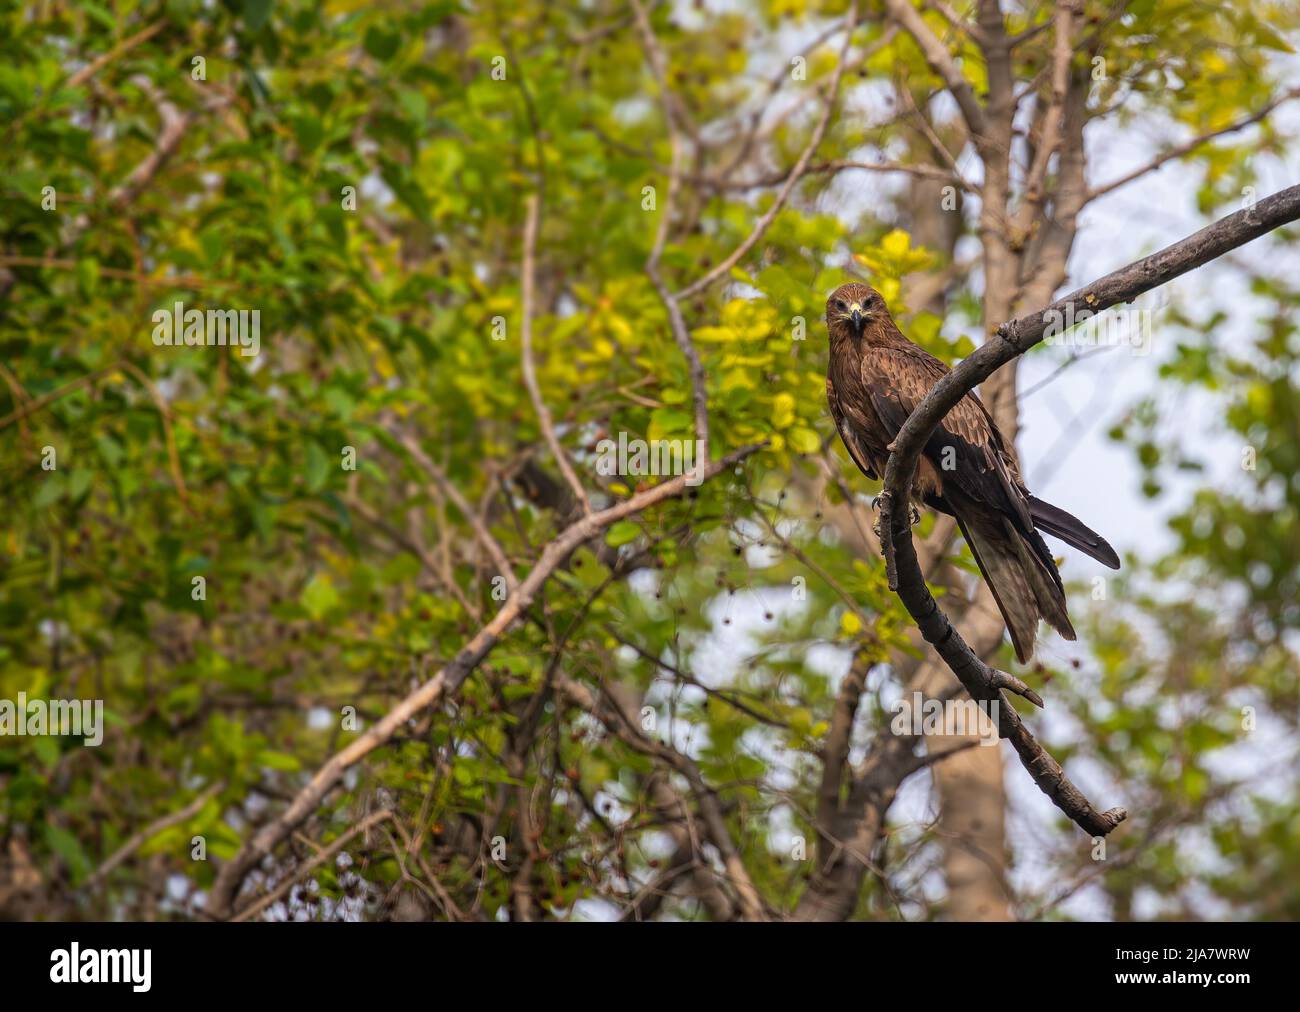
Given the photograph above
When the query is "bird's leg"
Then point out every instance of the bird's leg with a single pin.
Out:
(913, 515)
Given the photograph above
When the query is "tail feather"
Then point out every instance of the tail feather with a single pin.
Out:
(1021, 576)
(1044, 579)
(1055, 521)
(1002, 573)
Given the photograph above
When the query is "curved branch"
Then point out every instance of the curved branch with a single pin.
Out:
(1011, 340)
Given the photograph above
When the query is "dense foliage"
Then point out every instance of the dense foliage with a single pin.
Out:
(242, 557)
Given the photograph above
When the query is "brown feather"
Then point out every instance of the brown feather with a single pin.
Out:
(875, 378)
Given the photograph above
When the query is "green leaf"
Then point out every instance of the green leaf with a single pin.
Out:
(256, 13)
(69, 849)
(319, 597)
(381, 43)
(318, 468)
(622, 533)
(279, 761)
(47, 750)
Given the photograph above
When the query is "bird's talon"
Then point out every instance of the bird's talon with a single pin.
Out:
(914, 515)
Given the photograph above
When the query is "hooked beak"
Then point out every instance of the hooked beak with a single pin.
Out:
(857, 318)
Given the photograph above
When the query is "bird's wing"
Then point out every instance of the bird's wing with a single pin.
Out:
(848, 435)
(981, 488)
(966, 448)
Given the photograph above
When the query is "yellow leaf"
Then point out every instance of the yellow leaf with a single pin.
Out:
(782, 410)
(621, 328)
(715, 335)
(737, 379)
(758, 361)
(804, 440)
(896, 243)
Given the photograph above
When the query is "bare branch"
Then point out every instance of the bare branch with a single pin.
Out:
(174, 123)
(1053, 118)
(835, 751)
(926, 128)
(92, 68)
(676, 322)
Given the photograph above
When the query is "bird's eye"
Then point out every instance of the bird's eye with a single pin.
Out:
(839, 303)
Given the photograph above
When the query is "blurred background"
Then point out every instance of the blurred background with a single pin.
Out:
(483, 238)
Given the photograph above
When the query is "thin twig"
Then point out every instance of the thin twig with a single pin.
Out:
(92, 68)
(449, 489)
(1190, 146)
(143, 836)
(530, 370)
(677, 323)
(373, 819)
(796, 174)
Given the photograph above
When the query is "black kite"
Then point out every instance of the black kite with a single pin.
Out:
(875, 379)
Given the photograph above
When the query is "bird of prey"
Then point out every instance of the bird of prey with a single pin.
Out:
(875, 379)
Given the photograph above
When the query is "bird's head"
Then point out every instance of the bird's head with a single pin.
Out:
(851, 307)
